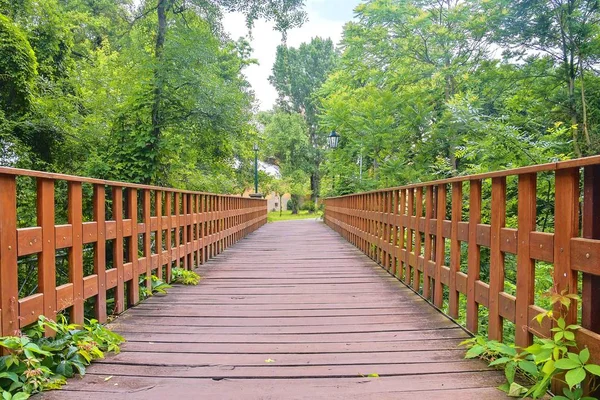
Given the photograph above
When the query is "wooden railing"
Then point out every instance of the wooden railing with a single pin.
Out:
(417, 232)
(149, 229)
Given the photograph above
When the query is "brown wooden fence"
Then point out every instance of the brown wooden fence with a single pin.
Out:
(150, 229)
(419, 233)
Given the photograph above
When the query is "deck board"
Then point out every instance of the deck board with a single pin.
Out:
(297, 294)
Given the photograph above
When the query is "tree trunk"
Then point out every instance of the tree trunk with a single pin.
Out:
(158, 83)
(295, 203)
(314, 186)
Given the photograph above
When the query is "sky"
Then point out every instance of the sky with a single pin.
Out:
(326, 18)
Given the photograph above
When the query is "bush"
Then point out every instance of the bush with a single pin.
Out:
(308, 206)
(290, 205)
(185, 277)
(35, 363)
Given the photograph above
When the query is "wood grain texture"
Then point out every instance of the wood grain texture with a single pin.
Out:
(312, 326)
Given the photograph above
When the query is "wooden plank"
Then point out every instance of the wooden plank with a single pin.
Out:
(498, 220)
(590, 317)
(133, 287)
(47, 257)
(117, 208)
(29, 241)
(440, 246)
(474, 255)
(75, 217)
(453, 296)
(99, 206)
(428, 242)
(418, 244)
(566, 217)
(410, 237)
(525, 264)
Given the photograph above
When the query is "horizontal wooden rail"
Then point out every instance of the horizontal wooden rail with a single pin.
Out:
(150, 230)
(417, 232)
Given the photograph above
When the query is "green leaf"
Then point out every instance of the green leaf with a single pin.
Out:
(529, 367)
(500, 361)
(584, 355)
(510, 371)
(475, 351)
(516, 390)
(575, 376)
(565, 363)
(20, 396)
(593, 369)
(10, 375)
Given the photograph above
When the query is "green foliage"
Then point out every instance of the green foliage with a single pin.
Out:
(157, 286)
(35, 363)
(18, 69)
(185, 277)
(556, 357)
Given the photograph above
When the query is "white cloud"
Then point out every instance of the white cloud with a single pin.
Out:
(265, 41)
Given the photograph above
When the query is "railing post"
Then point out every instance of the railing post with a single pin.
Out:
(75, 212)
(133, 285)
(453, 296)
(498, 221)
(118, 248)
(440, 246)
(527, 198)
(474, 257)
(591, 230)
(100, 251)
(9, 281)
(47, 258)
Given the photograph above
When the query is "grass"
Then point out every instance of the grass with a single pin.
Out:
(288, 216)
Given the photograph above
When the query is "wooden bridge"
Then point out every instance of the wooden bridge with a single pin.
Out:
(293, 310)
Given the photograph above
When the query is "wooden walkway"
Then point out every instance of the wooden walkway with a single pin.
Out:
(291, 312)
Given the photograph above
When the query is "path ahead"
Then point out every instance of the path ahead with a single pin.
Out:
(291, 312)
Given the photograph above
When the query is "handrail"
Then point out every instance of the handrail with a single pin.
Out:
(150, 229)
(406, 230)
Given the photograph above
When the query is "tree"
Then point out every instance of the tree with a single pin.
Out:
(286, 14)
(567, 32)
(296, 75)
(18, 69)
(287, 142)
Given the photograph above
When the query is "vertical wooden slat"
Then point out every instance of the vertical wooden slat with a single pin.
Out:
(133, 286)
(440, 247)
(118, 248)
(147, 239)
(395, 230)
(498, 221)
(159, 233)
(9, 281)
(75, 217)
(100, 251)
(453, 296)
(590, 318)
(47, 258)
(167, 212)
(427, 253)
(474, 254)
(402, 241)
(417, 250)
(525, 264)
(566, 221)
(410, 236)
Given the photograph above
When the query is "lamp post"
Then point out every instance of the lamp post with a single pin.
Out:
(255, 168)
(333, 139)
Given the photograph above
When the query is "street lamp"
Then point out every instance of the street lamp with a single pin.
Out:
(255, 168)
(333, 139)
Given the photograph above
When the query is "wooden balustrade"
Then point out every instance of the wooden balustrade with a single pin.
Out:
(417, 232)
(149, 228)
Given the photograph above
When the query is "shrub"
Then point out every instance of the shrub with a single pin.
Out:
(35, 363)
(185, 277)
